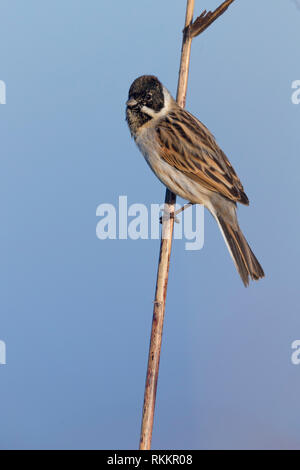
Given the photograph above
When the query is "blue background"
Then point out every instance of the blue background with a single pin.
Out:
(76, 311)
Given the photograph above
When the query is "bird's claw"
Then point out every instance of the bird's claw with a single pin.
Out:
(167, 216)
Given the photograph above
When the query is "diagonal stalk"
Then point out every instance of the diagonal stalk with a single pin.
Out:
(164, 261)
(190, 31)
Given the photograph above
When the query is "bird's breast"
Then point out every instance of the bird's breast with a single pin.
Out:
(175, 180)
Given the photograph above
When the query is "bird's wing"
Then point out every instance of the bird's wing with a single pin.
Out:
(187, 145)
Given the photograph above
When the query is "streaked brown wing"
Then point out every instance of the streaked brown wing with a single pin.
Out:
(188, 145)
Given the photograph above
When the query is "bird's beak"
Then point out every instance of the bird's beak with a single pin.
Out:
(131, 103)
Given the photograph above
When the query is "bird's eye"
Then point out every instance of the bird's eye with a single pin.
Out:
(148, 96)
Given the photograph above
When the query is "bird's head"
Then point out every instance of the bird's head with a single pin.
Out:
(146, 100)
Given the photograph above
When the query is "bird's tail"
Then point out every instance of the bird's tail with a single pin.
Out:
(242, 255)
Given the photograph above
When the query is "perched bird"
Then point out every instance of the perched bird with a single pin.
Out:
(184, 155)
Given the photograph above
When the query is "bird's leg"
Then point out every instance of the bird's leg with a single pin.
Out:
(167, 214)
(172, 215)
(186, 206)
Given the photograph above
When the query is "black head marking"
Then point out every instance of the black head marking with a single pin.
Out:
(147, 91)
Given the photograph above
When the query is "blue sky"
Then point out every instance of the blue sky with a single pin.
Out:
(75, 310)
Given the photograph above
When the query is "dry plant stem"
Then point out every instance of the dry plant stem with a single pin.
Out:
(190, 31)
(163, 265)
(206, 19)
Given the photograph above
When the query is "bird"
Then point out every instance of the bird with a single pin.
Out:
(186, 158)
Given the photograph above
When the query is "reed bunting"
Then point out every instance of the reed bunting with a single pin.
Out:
(184, 155)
